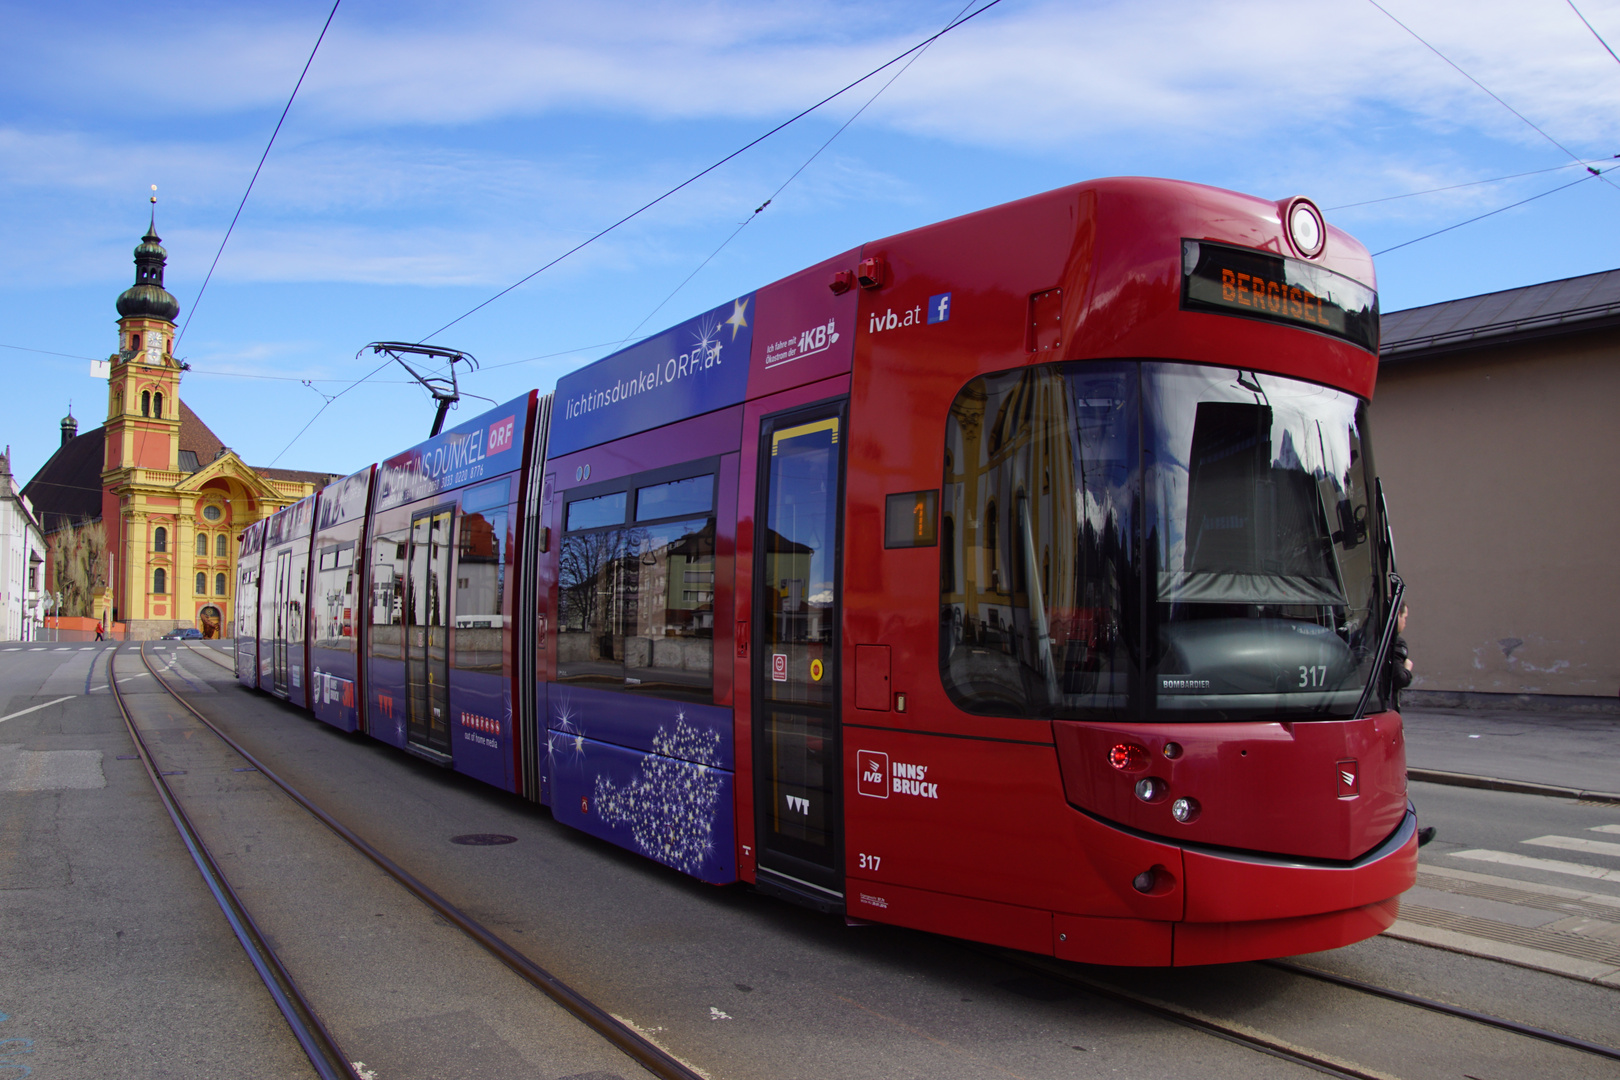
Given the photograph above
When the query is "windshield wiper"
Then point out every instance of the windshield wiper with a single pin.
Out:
(1397, 590)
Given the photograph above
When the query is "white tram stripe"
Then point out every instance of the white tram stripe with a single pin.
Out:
(1553, 866)
(1575, 843)
(1605, 828)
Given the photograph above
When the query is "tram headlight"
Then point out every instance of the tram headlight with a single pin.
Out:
(1184, 809)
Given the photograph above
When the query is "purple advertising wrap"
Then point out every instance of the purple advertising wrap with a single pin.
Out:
(483, 447)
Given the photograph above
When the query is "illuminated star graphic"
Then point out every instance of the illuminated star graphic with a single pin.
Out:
(739, 317)
(672, 805)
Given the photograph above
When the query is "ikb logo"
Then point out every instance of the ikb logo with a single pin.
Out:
(874, 775)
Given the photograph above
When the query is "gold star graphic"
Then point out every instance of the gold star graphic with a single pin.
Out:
(739, 317)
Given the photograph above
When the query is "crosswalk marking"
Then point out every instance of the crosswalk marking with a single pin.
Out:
(1605, 828)
(1576, 843)
(1555, 866)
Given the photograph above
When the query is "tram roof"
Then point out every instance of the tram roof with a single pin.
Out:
(1567, 306)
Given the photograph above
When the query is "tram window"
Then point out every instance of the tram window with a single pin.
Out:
(385, 607)
(678, 498)
(487, 496)
(482, 545)
(598, 512)
(636, 603)
(334, 595)
(1155, 540)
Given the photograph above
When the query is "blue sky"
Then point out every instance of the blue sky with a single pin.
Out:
(437, 153)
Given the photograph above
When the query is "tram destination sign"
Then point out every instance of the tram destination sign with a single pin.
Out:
(1254, 284)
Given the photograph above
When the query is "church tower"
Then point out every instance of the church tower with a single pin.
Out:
(143, 411)
(145, 527)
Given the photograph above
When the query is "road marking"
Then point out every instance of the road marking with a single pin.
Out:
(1575, 843)
(1508, 858)
(1606, 828)
(87, 648)
(36, 708)
(15, 648)
(40, 648)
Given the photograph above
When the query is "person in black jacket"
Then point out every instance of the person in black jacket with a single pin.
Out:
(1400, 662)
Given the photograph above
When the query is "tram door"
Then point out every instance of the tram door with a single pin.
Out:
(798, 799)
(282, 586)
(427, 631)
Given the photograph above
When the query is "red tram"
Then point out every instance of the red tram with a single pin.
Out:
(1020, 578)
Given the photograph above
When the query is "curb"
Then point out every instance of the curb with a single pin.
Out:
(1521, 787)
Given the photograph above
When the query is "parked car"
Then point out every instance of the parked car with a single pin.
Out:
(183, 633)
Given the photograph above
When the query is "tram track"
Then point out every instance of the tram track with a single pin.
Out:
(326, 1056)
(1161, 1005)
(1275, 1046)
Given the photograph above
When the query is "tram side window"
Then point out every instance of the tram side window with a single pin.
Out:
(334, 596)
(385, 607)
(482, 545)
(637, 590)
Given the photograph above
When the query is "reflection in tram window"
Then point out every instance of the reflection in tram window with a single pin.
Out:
(636, 602)
(334, 596)
(386, 606)
(480, 590)
(1155, 540)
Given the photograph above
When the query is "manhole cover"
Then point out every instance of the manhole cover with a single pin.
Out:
(483, 839)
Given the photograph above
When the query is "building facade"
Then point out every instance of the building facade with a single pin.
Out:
(22, 562)
(1498, 449)
(170, 496)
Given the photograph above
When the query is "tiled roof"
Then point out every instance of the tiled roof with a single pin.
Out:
(67, 488)
(196, 436)
(297, 476)
(1589, 302)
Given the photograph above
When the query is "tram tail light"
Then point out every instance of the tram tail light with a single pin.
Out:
(1128, 757)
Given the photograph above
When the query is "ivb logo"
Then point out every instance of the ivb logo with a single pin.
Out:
(500, 435)
(939, 308)
(873, 778)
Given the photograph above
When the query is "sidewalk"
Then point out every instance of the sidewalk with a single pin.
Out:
(1563, 750)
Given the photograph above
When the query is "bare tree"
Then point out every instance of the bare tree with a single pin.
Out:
(79, 553)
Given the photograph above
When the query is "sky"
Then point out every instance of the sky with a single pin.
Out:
(435, 154)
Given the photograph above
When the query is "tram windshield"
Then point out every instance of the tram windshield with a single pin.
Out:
(1156, 541)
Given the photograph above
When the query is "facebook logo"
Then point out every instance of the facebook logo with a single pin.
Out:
(939, 308)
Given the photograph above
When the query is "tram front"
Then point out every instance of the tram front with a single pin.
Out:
(1184, 566)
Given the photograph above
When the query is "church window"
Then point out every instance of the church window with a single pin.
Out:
(146, 403)
(202, 547)
(212, 513)
(160, 540)
(160, 581)
(202, 584)
(157, 404)
(135, 342)
(219, 584)
(220, 546)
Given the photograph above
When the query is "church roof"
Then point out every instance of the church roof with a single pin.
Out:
(67, 488)
(197, 437)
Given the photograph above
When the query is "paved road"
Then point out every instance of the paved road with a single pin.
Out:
(743, 984)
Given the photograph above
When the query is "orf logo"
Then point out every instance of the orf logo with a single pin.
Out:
(500, 434)
(873, 779)
(1349, 778)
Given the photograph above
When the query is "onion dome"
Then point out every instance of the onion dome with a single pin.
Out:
(147, 297)
(70, 427)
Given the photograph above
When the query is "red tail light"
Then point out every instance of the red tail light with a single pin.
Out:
(1128, 757)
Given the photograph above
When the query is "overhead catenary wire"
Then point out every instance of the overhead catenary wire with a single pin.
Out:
(1456, 187)
(1494, 96)
(706, 171)
(1592, 28)
(259, 168)
(784, 185)
(1592, 174)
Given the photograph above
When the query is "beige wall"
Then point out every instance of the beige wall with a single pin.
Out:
(1501, 467)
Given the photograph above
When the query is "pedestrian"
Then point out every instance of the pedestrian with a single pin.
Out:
(1400, 663)
(99, 630)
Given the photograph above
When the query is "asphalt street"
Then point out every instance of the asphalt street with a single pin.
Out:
(745, 985)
